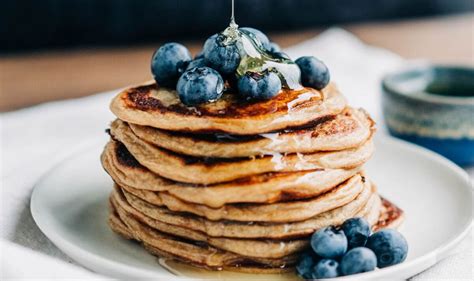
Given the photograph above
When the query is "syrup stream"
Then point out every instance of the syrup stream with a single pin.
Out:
(232, 17)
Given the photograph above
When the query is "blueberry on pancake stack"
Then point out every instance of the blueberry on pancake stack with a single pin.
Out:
(233, 159)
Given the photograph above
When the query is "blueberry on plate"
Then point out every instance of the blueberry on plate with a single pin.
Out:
(389, 246)
(305, 265)
(314, 73)
(168, 63)
(221, 56)
(274, 47)
(259, 35)
(325, 268)
(358, 260)
(256, 86)
(357, 231)
(329, 242)
(199, 85)
(200, 62)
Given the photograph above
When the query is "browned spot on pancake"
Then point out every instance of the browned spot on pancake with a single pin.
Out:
(206, 161)
(289, 195)
(390, 213)
(229, 106)
(337, 126)
(311, 125)
(125, 157)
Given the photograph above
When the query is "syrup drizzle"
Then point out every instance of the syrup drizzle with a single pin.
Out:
(232, 18)
(256, 59)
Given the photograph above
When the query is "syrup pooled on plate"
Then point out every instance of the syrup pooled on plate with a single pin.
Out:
(187, 271)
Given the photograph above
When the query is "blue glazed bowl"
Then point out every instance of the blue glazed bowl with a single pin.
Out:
(432, 106)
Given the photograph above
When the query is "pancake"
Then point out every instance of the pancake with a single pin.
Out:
(263, 248)
(188, 169)
(154, 106)
(367, 204)
(184, 249)
(277, 212)
(391, 216)
(348, 129)
(263, 188)
(203, 255)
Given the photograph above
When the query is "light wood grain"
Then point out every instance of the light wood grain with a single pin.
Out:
(34, 78)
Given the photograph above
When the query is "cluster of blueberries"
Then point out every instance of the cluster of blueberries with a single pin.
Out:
(201, 79)
(351, 249)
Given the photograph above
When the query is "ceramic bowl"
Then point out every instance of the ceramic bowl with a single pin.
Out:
(432, 106)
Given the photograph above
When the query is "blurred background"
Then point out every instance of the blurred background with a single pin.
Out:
(58, 49)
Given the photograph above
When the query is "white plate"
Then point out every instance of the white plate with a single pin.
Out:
(70, 206)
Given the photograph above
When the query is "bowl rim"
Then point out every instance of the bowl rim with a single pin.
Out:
(387, 85)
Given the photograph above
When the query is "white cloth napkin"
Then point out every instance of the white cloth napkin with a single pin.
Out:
(15, 259)
(34, 139)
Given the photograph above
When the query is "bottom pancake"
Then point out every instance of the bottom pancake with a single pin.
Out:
(262, 247)
(203, 255)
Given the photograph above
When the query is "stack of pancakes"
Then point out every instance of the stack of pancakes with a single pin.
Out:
(236, 185)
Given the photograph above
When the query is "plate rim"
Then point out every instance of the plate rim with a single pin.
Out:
(89, 259)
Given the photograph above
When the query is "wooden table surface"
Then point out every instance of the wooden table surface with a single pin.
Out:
(34, 78)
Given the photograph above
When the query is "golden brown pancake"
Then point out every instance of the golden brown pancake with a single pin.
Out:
(202, 254)
(391, 216)
(367, 204)
(262, 188)
(150, 105)
(188, 169)
(195, 253)
(348, 129)
(277, 212)
(260, 248)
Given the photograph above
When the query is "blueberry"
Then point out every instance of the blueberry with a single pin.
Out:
(314, 73)
(274, 47)
(259, 35)
(325, 268)
(329, 242)
(259, 86)
(199, 85)
(389, 246)
(358, 260)
(305, 265)
(357, 230)
(168, 63)
(224, 58)
(200, 62)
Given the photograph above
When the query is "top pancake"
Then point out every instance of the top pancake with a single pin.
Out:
(150, 105)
